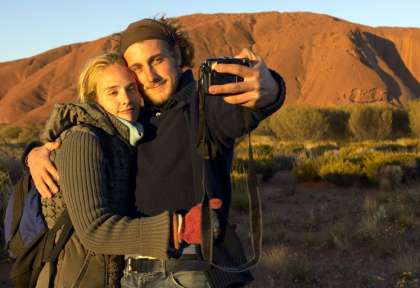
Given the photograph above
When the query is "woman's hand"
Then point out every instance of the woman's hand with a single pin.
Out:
(190, 226)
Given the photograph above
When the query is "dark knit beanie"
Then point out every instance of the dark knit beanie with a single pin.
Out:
(145, 29)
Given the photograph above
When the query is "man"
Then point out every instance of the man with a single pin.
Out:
(169, 167)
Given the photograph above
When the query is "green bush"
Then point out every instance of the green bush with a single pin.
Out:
(376, 160)
(285, 162)
(308, 123)
(306, 169)
(264, 161)
(391, 147)
(29, 133)
(400, 123)
(358, 164)
(287, 148)
(9, 132)
(239, 191)
(414, 117)
(5, 191)
(11, 169)
(371, 122)
(319, 150)
(264, 128)
(4, 177)
(341, 172)
(263, 151)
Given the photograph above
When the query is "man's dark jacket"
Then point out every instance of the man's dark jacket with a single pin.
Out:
(225, 123)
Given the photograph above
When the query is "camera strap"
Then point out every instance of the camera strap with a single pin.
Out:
(206, 152)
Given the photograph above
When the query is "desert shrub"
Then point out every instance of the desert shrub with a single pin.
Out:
(392, 147)
(411, 144)
(5, 191)
(370, 122)
(275, 258)
(405, 263)
(376, 160)
(263, 151)
(29, 133)
(287, 147)
(306, 169)
(4, 177)
(414, 117)
(339, 236)
(264, 167)
(308, 123)
(239, 191)
(353, 152)
(389, 176)
(9, 132)
(312, 220)
(285, 162)
(11, 167)
(299, 270)
(267, 168)
(373, 219)
(341, 172)
(400, 123)
(320, 149)
(359, 163)
(19, 134)
(264, 128)
(264, 162)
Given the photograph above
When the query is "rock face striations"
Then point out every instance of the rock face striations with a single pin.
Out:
(326, 61)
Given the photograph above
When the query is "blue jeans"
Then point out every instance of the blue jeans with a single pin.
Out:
(184, 279)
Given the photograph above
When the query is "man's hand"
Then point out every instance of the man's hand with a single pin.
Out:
(258, 89)
(43, 172)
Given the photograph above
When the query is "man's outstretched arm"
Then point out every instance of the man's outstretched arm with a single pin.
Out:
(259, 88)
(260, 94)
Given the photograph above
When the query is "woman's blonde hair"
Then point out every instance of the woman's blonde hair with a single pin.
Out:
(88, 76)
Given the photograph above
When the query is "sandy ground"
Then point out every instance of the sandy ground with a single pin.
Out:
(286, 207)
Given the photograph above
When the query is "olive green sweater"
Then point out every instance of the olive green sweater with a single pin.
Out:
(96, 198)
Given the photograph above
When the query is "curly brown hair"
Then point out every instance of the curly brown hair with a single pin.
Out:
(182, 40)
(174, 35)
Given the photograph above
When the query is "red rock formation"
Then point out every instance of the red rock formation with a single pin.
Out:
(325, 60)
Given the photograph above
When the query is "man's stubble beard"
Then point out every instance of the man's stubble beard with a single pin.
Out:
(157, 100)
(161, 100)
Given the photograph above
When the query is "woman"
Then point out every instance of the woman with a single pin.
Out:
(97, 179)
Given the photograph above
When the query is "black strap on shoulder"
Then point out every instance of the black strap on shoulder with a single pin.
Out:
(255, 210)
(16, 244)
(49, 249)
(204, 146)
(22, 188)
(51, 256)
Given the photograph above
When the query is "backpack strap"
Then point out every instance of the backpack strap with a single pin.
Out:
(15, 243)
(51, 255)
(204, 146)
(22, 189)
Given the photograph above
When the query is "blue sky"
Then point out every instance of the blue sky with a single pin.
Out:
(30, 27)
